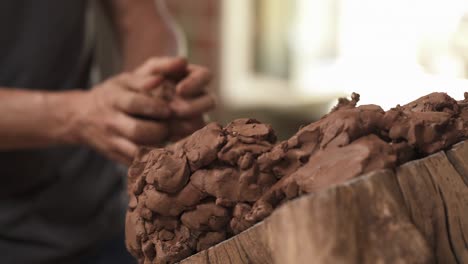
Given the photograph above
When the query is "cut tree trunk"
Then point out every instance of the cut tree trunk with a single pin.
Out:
(418, 214)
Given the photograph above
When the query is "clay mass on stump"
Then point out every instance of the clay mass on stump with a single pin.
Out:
(220, 181)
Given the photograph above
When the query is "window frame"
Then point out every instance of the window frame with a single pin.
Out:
(239, 78)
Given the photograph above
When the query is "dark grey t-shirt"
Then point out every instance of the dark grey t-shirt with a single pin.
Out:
(54, 202)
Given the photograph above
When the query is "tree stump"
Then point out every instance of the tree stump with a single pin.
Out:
(417, 214)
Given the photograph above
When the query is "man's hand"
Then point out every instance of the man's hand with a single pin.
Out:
(122, 113)
(191, 99)
(106, 117)
(191, 102)
(114, 117)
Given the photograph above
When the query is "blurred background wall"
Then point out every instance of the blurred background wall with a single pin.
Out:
(286, 62)
(205, 24)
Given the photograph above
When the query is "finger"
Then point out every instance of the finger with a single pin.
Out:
(141, 132)
(139, 83)
(140, 104)
(143, 83)
(163, 66)
(123, 151)
(180, 128)
(195, 83)
(186, 108)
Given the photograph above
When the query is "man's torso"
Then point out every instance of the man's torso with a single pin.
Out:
(58, 200)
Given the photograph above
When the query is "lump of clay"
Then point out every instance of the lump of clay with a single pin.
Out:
(193, 185)
(167, 172)
(203, 146)
(177, 126)
(430, 123)
(220, 181)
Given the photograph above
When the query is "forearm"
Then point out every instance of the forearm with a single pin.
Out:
(140, 30)
(34, 119)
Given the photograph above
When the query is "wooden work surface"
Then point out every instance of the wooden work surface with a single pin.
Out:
(417, 214)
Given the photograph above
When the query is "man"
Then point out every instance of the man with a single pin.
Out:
(61, 191)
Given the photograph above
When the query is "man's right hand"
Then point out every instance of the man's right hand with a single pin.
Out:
(106, 117)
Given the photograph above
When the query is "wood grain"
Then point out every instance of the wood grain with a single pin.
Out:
(437, 198)
(248, 247)
(458, 156)
(364, 221)
(419, 214)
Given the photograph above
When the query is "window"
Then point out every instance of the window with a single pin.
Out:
(283, 53)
